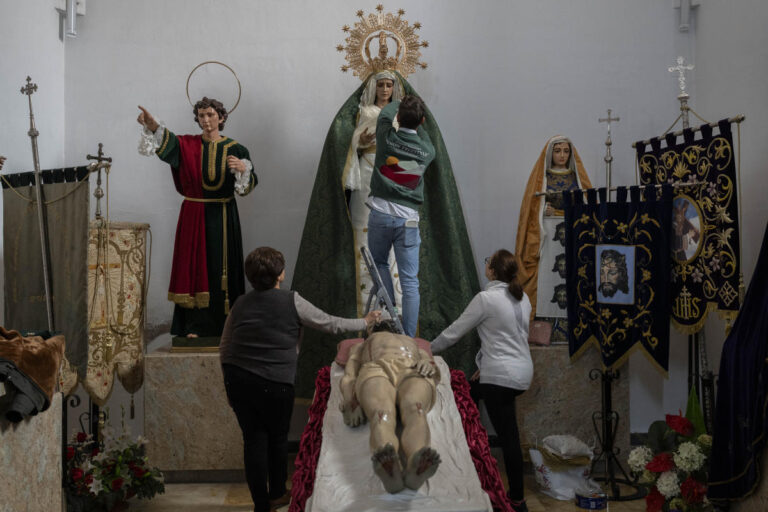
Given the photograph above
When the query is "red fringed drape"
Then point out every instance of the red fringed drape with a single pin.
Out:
(477, 438)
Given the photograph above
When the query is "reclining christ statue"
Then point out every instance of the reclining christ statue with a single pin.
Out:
(389, 370)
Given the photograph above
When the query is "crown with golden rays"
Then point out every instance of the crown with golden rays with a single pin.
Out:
(382, 26)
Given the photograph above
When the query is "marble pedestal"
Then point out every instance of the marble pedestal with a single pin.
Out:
(30, 462)
(187, 418)
(562, 398)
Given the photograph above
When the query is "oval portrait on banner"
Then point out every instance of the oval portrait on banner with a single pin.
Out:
(686, 229)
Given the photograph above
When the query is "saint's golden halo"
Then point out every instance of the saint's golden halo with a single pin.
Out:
(382, 26)
(239, 87)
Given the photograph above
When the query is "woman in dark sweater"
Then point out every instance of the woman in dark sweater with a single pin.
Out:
(258, 352)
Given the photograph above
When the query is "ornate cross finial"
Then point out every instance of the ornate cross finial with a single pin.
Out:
(29, 88)
(608, 120)
(100, 155)
(681, 69)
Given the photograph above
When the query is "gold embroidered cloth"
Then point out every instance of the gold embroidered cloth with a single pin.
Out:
(116, 301)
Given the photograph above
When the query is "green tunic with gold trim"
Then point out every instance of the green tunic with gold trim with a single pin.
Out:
(207, 272)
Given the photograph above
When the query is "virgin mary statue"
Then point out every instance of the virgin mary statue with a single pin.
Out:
(541, 231)
(329, 271)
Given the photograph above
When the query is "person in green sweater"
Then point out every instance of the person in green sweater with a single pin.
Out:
(397, 192)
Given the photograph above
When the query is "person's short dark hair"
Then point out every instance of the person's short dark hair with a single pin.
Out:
(411, 111)
(387, 325)
(215, 105)
(263, 266)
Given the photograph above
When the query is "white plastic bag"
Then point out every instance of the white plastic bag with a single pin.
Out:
(567, 446)
(559, 484)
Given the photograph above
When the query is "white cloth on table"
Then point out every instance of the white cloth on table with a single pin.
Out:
(344, 479)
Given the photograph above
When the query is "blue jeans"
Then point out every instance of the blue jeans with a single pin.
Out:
(385, 232)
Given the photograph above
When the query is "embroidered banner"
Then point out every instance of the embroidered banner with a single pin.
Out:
(65, 200)
(705, 241)
(617, 267)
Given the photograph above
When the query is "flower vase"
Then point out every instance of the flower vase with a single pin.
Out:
(120, 506)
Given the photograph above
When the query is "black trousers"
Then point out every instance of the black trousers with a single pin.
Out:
(263, 409)
(500, 404)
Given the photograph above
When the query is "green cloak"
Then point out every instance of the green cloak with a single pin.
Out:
(325, 268)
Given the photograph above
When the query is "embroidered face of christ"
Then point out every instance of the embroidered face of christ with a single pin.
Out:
(613, 273)
(561, 152)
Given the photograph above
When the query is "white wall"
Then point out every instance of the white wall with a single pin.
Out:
(502, 78)
(731, 59)
(732, 72)
(30, 45)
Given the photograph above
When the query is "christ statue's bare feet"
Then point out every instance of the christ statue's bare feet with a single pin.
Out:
(386, 465)
(421, 467)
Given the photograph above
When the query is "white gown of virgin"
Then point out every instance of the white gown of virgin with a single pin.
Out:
(358, 180)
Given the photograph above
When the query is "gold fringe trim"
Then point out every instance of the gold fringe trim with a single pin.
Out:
(725, 314)
(189, 301)
(592, 341)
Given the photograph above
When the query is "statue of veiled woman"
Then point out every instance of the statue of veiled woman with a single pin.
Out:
(541, 229)
(329, 272)
(380, 89)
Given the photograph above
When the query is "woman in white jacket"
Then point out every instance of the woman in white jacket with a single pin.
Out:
(501, 313)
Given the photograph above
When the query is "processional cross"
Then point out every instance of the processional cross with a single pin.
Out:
(101, 162)
(683, 96)
(29, 89)
(608, 157)
(608, 120)
(681, 69)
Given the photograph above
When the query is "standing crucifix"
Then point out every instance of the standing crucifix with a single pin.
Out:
(608, 157)
(683, 96)
(101, 162)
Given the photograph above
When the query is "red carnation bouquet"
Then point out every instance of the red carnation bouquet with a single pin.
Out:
(673, 465)
(103, 476)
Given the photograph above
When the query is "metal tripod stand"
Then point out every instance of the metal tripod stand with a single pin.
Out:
(379, 292)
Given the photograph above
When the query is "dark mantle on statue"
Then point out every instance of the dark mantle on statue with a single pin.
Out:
(741, 411)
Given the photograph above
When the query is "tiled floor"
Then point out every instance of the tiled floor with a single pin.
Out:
(234, 497)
